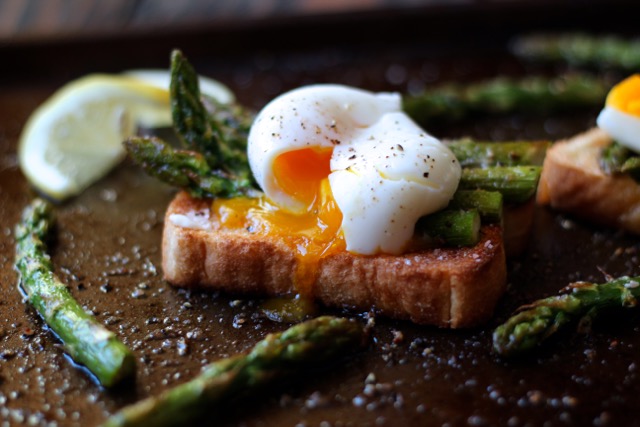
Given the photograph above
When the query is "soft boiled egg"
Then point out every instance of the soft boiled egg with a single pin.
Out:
(620, 117)
(351, 157)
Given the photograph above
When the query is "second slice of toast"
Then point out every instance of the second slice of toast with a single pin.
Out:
(572, 181)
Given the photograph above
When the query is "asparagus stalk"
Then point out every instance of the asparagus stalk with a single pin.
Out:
(185, 169)
(290, 353)
(632, 167)
(535, 322)
(612, 157)
(233, 120)
(616, 158)
(534, 94)
(487, 203)
(188, 112)
(452, 227)
(222, 145)
(516, 183)
(580, 50)
(84, 338)
(459, 223)
(480, 154)
(214, 163)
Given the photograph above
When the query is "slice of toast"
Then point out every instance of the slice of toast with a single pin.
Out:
(573, 182)
(448, 287)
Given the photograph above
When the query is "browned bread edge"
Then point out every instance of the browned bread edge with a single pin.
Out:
(572, 182)
(449, 287)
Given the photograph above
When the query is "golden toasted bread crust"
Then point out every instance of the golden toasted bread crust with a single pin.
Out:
(451, 287)
(573, 182)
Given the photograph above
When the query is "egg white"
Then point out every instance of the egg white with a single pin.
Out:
(622, 127)
(389, 177)
(321, 116)
(386, 172)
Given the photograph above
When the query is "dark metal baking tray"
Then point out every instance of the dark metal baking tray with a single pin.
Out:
(107, 247)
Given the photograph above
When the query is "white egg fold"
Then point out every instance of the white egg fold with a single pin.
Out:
(385, 171)
(622, 127)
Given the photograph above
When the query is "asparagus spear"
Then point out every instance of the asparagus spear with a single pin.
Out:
(612, 157)
(580, 50)
(616, 158)
(452, 227)
(84, 338)
(222, 145)
(188, 112)
(536, 322)
(233, 120)
(185, 169)
(631, 166)
(306, 345)
(516, 183)
(459, 223)
(487, 203)
(214, 162)
(533, 94)
(480, 154)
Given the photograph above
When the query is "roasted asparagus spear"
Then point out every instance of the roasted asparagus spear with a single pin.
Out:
(480, 154)
(86, 340)
(210, 132)
(535, 322)
(213, 162)
(303, 346)
(581, 50)
(487, 203)
(516, 183)
(618, 159)
(452, 227)
(185, 169)
(534, 94)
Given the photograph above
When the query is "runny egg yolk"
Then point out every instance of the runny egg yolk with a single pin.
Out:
(311, 235)
(297, 172)
(625, 96)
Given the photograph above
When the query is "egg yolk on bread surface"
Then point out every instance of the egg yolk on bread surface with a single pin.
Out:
(341, 169)
(311, 235)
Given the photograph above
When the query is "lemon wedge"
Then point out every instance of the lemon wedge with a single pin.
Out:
(75, 137)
